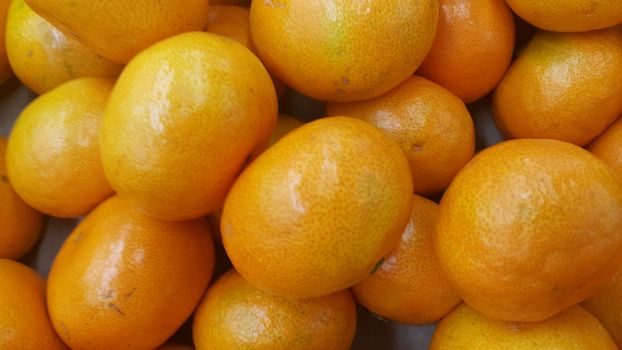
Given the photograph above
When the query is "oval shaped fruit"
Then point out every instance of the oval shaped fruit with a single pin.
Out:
(530, 227)
(563, 86)
(182, 120)
(5, 68)
(569, 16)
(409, 286)
(24, 321)
(21, 225)
(117, 29)
(343, 50)
(43, 57)
(53, 155)
(472, 48)
(316, 211)
(572, 329)
(124, 279)
(236, 315)
(608, 146)
(431, 125)
(606, 306)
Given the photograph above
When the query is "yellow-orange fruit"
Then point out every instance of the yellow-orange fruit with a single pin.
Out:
(563, 86)
(124, 279)
(53, 151)
(24, 321)
(343, 50)
(236, 315)
(606, 306)
(572, 329)
(183, 119)
(608, 146)
(431, 125)
(530, 227)
(284, 126)
(316, 211)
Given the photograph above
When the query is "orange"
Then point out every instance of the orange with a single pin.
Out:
(20, 225)
(182, 120)
(473, 47)
(24, 321)
(234, 22)
(235, 315)
(316, 211)
(409, 286)
(608, 146)
(118, 29)
(530, 227)
(607, 307)
(343, 50)
(5, 69)
(562, 86)
(43, 57)
(122, 279)
(284, 126)
(569, 16)
(431, 125)
(572, 329)
(53, 151)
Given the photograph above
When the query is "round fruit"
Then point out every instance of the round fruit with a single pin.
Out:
(43, 57)
(5, 68)
(21, 225)
(184, 117)
(123, 279)
(236, 315)
(608, 146)
(118, 29)
(572, 329)
(343, 50)
(606, 306)
(563, 86)
(530, 227)
(473, 47)
(431, 125)
(569, 16)
(284, 126)
(315, 212)
(234, 22)
(53, 152)
(24, 321)
(409, 285)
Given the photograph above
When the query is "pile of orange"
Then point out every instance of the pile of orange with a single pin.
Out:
(218, 211)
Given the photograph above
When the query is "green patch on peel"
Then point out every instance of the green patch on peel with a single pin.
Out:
(378, 264)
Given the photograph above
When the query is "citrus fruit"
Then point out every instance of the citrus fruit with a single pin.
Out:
(284, 126)
(117, 29)
(314, 213)
(123, 279)
(431, 125)
(569, 16)
(473, 47)
(606, 306)
(343, 50)
(24, 321)
(182, 120)
(563, 86)
(234, 22)
(53, 151)
(530, 227)
(5, 68)
(608, 146)
(409, 285)
(43, 57)
(20, 225)
(235, 315)
(572, 329)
